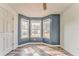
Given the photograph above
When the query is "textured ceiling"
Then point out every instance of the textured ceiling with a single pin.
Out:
(36, 9)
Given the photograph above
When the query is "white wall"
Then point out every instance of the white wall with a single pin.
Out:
(70, 29)
(8, 24)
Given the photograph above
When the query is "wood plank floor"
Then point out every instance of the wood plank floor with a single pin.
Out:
(38, 50)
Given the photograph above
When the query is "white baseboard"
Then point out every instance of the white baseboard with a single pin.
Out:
(66, 50)
(6, 52)
(39, 43)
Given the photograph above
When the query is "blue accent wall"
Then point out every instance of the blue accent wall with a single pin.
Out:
(36, 40)
(54, 30)
(24, 40)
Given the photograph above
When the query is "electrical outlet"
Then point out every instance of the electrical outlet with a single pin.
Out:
(78, 49)
(34, 39)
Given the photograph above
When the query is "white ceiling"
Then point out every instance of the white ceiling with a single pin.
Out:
(36, 9)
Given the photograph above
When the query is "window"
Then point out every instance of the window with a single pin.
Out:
(35, 28)
(46, 28)
(24, 28)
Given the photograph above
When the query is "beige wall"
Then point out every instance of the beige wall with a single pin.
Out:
(8, 21)
(70, 29)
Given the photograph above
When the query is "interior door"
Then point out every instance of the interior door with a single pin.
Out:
(1, 36)
(1, 31)
(46, 30)
(8, 32)
(23, 30)
(6, 35)
(35, 28)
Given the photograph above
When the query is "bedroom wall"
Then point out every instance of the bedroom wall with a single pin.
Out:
(8, 41)
(70, 29)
